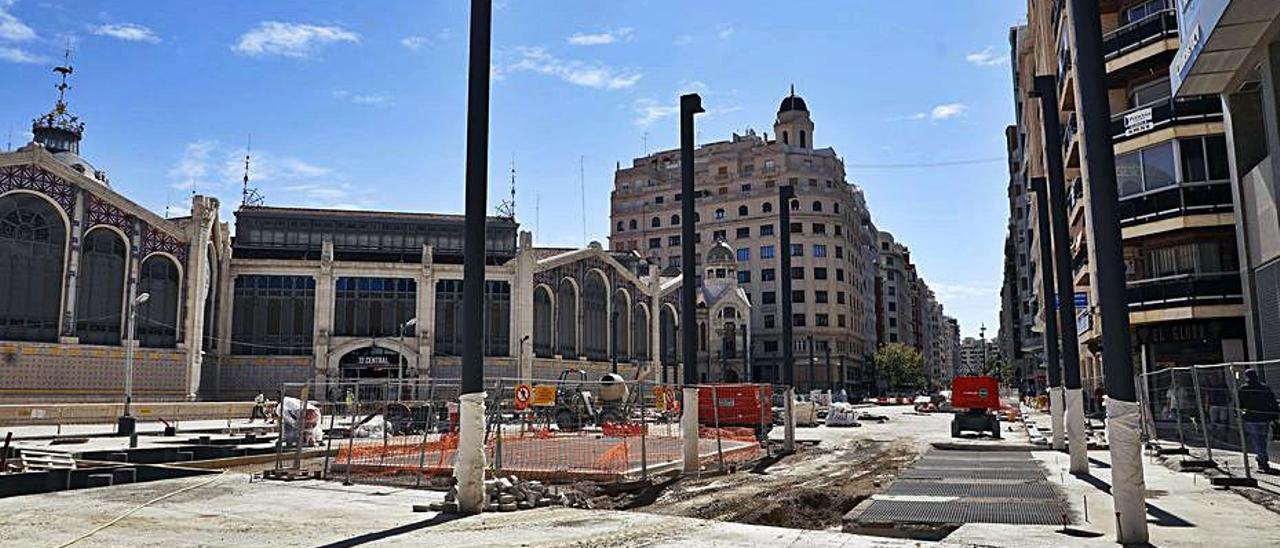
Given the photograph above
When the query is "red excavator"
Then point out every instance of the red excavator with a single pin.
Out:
(976, 400)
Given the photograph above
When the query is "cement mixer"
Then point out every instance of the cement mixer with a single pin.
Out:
(580, 403)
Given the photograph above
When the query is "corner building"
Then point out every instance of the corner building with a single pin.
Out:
(833, 242)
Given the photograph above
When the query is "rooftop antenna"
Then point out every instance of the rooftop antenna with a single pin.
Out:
(65, 70)
(249, 197)
(645, 140)
(582, 193)
(507, 208)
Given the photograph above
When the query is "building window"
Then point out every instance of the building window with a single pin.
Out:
(835, 206)
(839, 274)
(892, 291)
(893, 307)
(273, 315)
(797, 320)
(819, 273)
(840, 321)
(797, 296)
(1145, 170)
(1204, 159)
(839, 251)
(719, 213)
(817, 206)
(821, 297)
(655, 243)
(449, 311)
(675, 220)
(673, 261)
(839, 230)
(719, 236)
(742, 211)
(821, 320)
(157, 322)
(744, 232)
(819, 250)
(744, 276)
(766, 230)
(633, 224)
(839, 297)
(797, 250)
(893, 337)
(770, 346)
(768, 274)
(99, 299)
(766, 207)
(797, 272)
(746, 187)
(673, 241)
(893, 322)
(770, 323)
(619, 226)
(766, 252)
(744, 254)
(819, 228)
(768, 297)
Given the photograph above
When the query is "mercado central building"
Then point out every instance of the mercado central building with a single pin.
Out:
(306, 294)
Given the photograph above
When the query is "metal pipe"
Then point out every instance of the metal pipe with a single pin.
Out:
(476, 189)
(690, 104)
(1235, 402)
(1117, 359)
(787, 193)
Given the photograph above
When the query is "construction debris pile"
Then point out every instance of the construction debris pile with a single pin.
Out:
(508, 494)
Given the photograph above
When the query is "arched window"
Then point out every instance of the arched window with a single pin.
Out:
(567, 319)
(835, 207)
(620, 320)
(817, 206)
(766, 207)
(795, 205)
(743, 211)
(719, 213)
(786, 138)
(655, 222)
(675, 220)
(33, 240)
(100, 295)
(668, 336)
(543, 317)
(803, 144)
(633, 225)
(157, 323)
(640, 332)
(595, 317)
(619, 226)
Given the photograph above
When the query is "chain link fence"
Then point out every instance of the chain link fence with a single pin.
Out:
(571, 428)
(1197, 411)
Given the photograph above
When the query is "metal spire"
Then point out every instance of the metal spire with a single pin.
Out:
(249, 196)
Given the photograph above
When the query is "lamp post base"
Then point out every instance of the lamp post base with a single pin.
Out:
(126, 425)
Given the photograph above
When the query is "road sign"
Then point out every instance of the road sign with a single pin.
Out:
(523, 393)
(660, 398)
(544, 395)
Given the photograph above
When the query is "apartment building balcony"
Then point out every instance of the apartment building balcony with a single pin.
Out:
(1165, 114)
(1066, 81)
(1070, 148)
(1141, 40)
(1175, 203)
(1185, 291)
(1080, 265)
(1075, 200)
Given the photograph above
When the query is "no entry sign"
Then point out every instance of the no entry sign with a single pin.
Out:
(523, 393)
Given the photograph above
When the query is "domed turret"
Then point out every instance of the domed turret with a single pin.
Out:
(793, 126)
(721, 255)
(59, 130)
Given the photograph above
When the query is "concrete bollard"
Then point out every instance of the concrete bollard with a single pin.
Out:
(689, 428)
(470, 461)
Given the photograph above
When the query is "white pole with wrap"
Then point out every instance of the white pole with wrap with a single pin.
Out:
(1056, 406)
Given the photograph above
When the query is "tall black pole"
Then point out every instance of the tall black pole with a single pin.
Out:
(1100, 168)
(690, 104)
(1046, 282)
(831, 382)
(1047, 90)
(813, 367)
(477, 188)
(785, 195)
(1123, 422)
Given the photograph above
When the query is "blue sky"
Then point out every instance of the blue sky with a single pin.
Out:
(361, 104)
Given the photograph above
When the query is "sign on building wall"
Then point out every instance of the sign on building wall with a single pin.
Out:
(1138, 121)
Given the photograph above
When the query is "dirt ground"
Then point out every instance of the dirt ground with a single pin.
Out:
(811, 489)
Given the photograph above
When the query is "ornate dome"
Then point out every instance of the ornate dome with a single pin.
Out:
(792, 102)
(721, 255)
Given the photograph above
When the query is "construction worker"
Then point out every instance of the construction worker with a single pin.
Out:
(259, 407)
(1258, 403)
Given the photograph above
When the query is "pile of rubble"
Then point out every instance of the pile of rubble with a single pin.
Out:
(509, 494)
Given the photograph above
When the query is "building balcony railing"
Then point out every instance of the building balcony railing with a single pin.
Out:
(1079, 259)
(1161, 114)
(1137, 34)
(1064, 68)
(1176, 201)
(1076, 193)
(1069, 131)
(1185, 290)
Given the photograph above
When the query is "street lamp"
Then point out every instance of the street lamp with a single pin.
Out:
(126, 424)
(400, 364)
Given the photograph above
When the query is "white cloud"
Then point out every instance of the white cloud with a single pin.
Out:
(649, 111)
(19, 55)
(601, 38)
(724, 31)
(11, 28)
(986, 58)
(128, 32)
(592, 75)
(418, 42)
(369, 99)
(193, 168)
(947, 111)
(290, 39)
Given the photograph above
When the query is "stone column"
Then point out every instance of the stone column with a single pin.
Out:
(204, 212)
(423, 335)
(323, 307)
(522, 307)
(655, 323)
(70, 282)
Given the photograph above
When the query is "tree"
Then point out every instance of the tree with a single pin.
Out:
(996, 367)
(901, 365)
